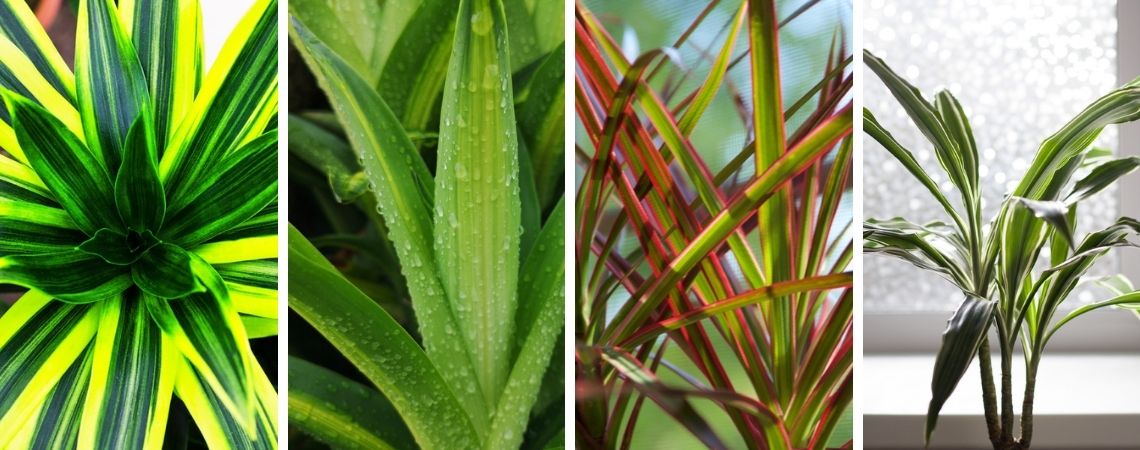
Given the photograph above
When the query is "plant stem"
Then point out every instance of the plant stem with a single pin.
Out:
(1027, 403)
(1006, 391)
(989, 394)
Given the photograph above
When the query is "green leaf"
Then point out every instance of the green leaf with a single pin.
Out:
(132, 365)
(960, 342)
(348, 27)
(167, 35)
(1101, 177)
(242, 185)
(403, 188)
(236, 103)
(1056, 213)
(118, 248)
(112, 90)
(29, 228)
(539, 324)
(79, 183)
(342, 413)
(72, 275)
(412, 79)
(533, 28)
(541, 120)
(331, 155)
(139, 196)
(164, 271)
(40, 339)
(381, 349)
(872, 127)
(477, 204)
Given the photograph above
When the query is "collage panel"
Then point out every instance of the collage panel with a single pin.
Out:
(714, 226)
(138, 224)
(427, 228)
(998, 190)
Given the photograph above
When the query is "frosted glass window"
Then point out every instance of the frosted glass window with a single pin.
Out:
(1021, 69)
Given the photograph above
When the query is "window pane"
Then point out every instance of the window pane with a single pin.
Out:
(1021, 69)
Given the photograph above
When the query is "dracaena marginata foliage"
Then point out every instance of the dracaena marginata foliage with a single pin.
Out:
(138, 209)
(434, 262)
(744, 281)
(1015, 272)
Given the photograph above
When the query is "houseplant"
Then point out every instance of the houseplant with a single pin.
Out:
(717, 297)
(1007, 284)
(426, 265)
(138, 209)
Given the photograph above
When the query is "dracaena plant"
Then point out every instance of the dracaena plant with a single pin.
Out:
(1008, 283)
(729, 287)
(138, 209)
(443, 288)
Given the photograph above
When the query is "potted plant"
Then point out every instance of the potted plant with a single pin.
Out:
(1006, 283)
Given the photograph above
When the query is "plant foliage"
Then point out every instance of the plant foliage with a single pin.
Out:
(672, 255)
(1015, 272)
(138, 207)
(438, 178)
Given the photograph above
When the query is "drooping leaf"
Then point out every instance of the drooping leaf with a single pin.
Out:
(388, 356)
(964, 333)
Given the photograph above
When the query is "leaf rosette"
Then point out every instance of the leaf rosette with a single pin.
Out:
(138, 208)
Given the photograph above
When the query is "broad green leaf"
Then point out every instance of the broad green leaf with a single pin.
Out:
(40, 339)
(79, 183)
(237, 101)
(477, 204)
(381, 349)
(538, 328)
(118, 248)
(27, 228)
(164, 271)
(70, 275)
(412, 79)
(534, 28)
(132, 365)
(166, 35)
(342, 413)
(403, 188)
(964, 333)
(111, 88)
(541, 119)
(243, 184)
(347, 27)
(139, 197)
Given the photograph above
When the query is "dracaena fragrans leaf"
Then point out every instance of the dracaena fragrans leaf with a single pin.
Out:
(122, 313)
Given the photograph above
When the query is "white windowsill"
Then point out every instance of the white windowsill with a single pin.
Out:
(1083, 401)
